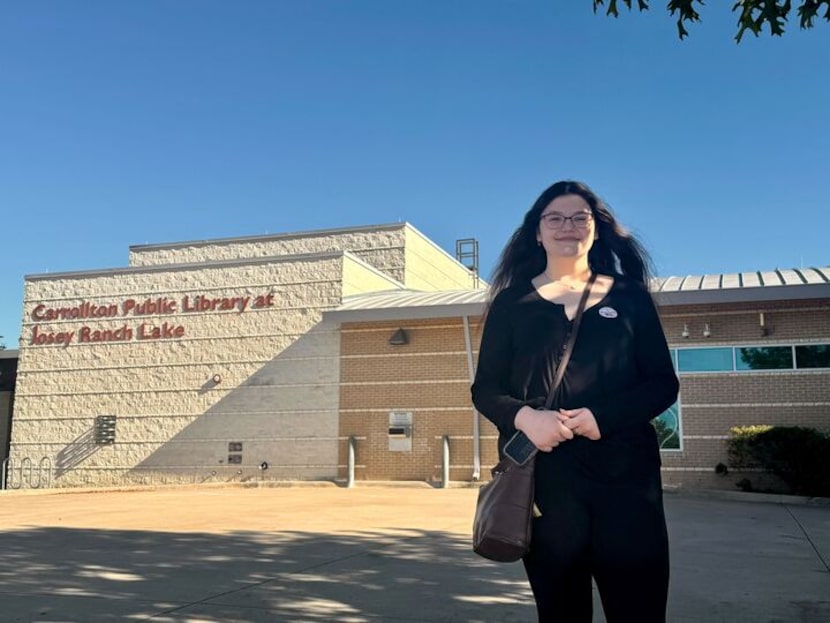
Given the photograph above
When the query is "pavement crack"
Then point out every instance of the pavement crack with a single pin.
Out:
(809, 540)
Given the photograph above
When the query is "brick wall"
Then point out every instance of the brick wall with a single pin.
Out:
(430, 378)
(712, 403)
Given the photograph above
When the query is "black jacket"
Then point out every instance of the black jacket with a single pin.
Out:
(621, 369)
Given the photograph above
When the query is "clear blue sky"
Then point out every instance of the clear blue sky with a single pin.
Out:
(145, 122)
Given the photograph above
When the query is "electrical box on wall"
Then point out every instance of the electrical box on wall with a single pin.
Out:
(400, 431)
(104, 432)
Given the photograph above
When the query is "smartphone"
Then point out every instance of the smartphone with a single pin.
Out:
(519, 448)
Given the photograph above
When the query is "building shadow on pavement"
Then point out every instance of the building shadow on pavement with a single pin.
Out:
(56, 574)
(732, 562)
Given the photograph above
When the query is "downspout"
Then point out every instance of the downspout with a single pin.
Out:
(472, 372)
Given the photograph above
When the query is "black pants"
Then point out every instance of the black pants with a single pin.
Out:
(615, 533)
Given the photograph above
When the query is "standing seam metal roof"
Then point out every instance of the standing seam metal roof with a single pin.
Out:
(746, 286)
(777, 277)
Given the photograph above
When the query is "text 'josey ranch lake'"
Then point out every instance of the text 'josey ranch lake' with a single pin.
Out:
(161, 306)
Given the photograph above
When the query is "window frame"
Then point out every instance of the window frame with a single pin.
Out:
(793, 346)
(795, 361)
(675, 355)
(679, 430)
(792, 358)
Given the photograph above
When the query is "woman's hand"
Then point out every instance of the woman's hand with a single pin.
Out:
(543, 428)
(581, 422)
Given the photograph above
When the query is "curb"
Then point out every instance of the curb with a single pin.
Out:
(712, 494)
(274, 484)
(740, 496)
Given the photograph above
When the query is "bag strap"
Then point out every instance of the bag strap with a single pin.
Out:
(569, 346)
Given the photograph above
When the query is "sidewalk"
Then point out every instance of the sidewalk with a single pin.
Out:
(367, 554)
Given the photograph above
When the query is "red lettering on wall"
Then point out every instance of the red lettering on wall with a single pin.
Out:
(164, 332)
(84, 310)
(122, 334)
(159, 306)
(44, 338)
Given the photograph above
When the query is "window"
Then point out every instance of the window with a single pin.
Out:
(764, 358)
(667, 425)
(815, 356)
(704, 360)
(728, 359)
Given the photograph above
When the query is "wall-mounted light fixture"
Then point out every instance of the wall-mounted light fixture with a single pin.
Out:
(707, 332)
(765, 328)
(399, 338)
(685, 332)
(216, 378)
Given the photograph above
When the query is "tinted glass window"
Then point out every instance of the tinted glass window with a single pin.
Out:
(817, 356)
(769, 358)
(704, 360)
(667, 426)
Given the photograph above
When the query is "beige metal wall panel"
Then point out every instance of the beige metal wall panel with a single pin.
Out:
(429, 267)
(360, 277)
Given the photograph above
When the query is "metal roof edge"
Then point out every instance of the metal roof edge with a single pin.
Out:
(424, 312)
(663, 299)
(749, 294)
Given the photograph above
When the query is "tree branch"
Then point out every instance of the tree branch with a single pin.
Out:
(753, 15)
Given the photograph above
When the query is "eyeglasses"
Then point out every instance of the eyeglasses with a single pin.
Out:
(554, 220)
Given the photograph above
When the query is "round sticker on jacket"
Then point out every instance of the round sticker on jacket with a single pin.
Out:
(608, 312)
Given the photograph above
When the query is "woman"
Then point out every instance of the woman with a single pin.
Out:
(598, 470)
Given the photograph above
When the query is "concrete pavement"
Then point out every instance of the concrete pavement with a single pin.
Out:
(368, 554)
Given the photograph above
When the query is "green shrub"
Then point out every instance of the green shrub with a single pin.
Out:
(740, 446)
(798, 455)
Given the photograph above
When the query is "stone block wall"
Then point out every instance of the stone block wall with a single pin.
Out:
(398, 250)
(191, 359)
(379, 246)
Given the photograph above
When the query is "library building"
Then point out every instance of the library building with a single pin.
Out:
(347, 355)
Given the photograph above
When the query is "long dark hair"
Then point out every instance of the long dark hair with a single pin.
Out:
(616, 252)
